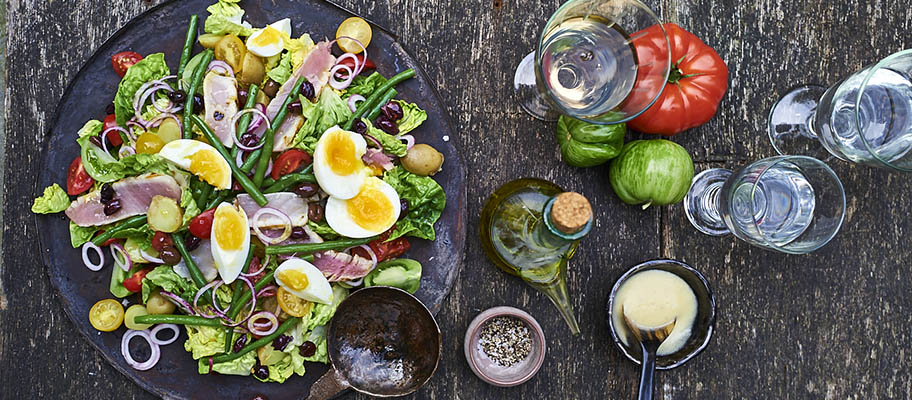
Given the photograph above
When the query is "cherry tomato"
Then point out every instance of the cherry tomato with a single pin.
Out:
(78, 180)
(106, 315)
(134, 282)
(351, 63)
(160, 240)
(293, 305)
(386, 250)
(201, 225)
(290, 161)
(123, 60)
(114, 137)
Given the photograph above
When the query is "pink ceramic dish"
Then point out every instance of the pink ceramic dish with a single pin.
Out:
(493, 373)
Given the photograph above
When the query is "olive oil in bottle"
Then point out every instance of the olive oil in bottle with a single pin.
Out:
(530, 228)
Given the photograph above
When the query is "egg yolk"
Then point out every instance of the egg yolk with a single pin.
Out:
(229, 227)
(267, 36)
(370, 209)
(295, 280)
(340, 154)
(206, 165)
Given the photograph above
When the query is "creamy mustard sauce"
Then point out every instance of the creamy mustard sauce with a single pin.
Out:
(652, 298)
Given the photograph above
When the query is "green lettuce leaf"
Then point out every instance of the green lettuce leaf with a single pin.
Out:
(203, 341)
(117, 277)
(390, 143)
(240, 366)
(137, 238)
(282, 70)
(150, 68)
(318, 337)
(92, 127)
(426, 202)
(323, 229)
(412, 117)
(79, 235)
(279, 371)
(138, 164)
(191, 67)
(165, 278)
(402, 273)
(225, 17)
(188, 204)
(328, 111)
(53, 201)
(364, 85)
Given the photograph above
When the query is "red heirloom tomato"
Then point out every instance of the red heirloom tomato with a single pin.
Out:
(123, 60)
(696, 83)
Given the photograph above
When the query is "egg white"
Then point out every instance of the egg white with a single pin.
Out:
(179, 151)
(230, 262)
(338, 218)
(273, 48)
(318, 289)
(339, 186)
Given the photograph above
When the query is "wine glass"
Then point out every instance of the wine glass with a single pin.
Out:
(588, 66)
(791, 204)
(865, 118)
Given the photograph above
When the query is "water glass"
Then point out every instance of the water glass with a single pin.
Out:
(865, 118)
(791, 204)
(601, 61)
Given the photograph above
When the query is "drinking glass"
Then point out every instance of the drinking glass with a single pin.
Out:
(792, 204)
(588, 66)
(865, 118)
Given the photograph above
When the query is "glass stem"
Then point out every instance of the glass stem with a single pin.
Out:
(710, 201)
(557, 292)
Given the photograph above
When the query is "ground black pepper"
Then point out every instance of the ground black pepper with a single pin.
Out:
(505, 340)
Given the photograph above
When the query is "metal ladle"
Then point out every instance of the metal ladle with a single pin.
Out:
(383, 342)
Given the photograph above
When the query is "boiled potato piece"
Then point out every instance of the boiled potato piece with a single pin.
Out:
(232, 51)
(158, 304)
(252, 70)
(164, 214)
(422, 160)
(209, 40)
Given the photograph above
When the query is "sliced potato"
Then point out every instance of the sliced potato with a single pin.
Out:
(232, 51)
(252, 70)
(164, 214)
(169, 130)
(209, 40)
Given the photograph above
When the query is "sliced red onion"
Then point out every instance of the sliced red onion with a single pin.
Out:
(125, 263)
(215, 303)
(134, 123)
(148, 257)
(200, 293)
(355, 283)
(126, 151)
(260, 116)
(268, 291)
(85, 256)
(258, 120)
(353, 101)
(239, 160)
(358, 68)
(125, 350)
(262, 267)
(374, 141)
(339, 85)
(142, 97)
(268, 169)
(179, 302)
(345, 56)
(253, 303)
(153, 335)
(218, 64)
(104, 133)
(409, 141)
(286, 224)
(373, 255)
(256, 328)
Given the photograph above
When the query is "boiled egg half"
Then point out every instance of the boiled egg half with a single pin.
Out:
(304, 280)
(230, 241)
(269, 41)
(199, 158)
(337, 163)
(371, 212)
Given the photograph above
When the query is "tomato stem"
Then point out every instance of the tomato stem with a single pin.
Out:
(675, 75)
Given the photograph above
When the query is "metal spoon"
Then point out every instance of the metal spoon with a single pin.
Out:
(650, 339)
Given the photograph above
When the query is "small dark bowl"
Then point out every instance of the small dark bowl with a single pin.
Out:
(703, 324)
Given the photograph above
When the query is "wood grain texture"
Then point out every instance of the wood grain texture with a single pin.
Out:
(829, 325)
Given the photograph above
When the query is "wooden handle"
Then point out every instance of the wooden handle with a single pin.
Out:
(327, 386)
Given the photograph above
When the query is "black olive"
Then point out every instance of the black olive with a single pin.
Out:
(307, 90)
(271, 88)
(280, 342)
(112, 207)
(218, 116)
(242, 98)
(169, 255)
(387, 126)
(110, 109)
(177, 96)
(107, 193)
(392, 111)
(261, 371)
(403, 207)
(249, 139)
(298, 232)
(306, 190)
(295, 107)
(192, 242)
(315, 212)
(198, 103)
(239, 343)
(96, 140)
(307, 349)
(359, 127)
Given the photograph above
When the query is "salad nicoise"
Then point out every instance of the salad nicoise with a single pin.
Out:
(244, 194)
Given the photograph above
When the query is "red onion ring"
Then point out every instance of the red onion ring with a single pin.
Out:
(339, 85)
(262, 267)
(353, 100)
(148, 257)
(215, 303)
(260, 116)
(409, 141)
(85, 256)
(373, 140)
(255, 328)
(358, 68)
(140, 101)
(179, 301)
(268, 291)
(221, 64)
(153, 335)
(373, 255)
(200, 293)
(256, 122)
(286, 223)
(125, 350)
(127, 262)
(253, 303)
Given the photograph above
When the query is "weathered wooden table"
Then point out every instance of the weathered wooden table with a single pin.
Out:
(828, 325)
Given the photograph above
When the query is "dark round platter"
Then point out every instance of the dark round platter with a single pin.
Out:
(162, 29)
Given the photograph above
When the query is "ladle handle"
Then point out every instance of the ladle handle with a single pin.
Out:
(327, 386)
(647, 374)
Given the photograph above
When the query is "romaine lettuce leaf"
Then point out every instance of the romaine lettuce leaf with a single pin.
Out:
(204, 341)
(365, 85)
(328, 111)
(117, 277)
(188, 204)
(54, 200)
(390, 143)
(165, 278)
(226, 17)
(79, 235)
(241, 366)
(426, 202)
(150, 68)
(412, 117)
(282, 70)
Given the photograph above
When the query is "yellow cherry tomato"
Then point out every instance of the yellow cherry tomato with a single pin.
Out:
(149, 143)
(355, 28)
(106, 315)
(293, 305)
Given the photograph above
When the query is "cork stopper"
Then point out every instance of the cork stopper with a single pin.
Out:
(570, 212)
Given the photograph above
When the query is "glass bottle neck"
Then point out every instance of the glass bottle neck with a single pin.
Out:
(547, 232)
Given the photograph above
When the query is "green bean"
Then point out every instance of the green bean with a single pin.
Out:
(389, 95)
(291, 179)
(194, 84)
(218, 200)
(178, 320)
(315, 247)
(265, 280)
(251, 160)
(204, 195)
(269, 139)
(379, 92)
(129, 223)
(188, 46)
(258, 343)
(241, 177)
(244, 121)
(195, 274)
(235, 297)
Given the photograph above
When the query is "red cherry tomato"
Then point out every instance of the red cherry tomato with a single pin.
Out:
(134, 282)
(201, 225)
(290, 161)
(113, 136)
(109, 241)
(351, 63)
(123, 60)
(78, 180)
(386, 250)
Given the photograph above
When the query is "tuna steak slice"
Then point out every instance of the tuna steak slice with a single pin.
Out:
(135, 195)
(220, 95)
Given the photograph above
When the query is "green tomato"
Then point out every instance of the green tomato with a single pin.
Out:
(402, 273)
(586, 145)
(651, 172)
